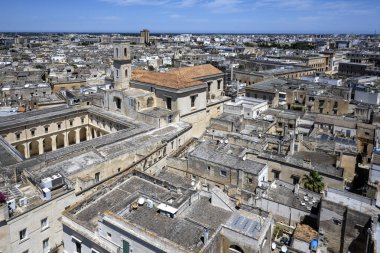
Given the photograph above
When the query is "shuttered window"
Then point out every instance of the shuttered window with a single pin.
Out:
(125, 247)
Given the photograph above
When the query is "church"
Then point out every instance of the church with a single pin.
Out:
(190, 94)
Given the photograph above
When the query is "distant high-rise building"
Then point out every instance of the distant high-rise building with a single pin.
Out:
(144, 34)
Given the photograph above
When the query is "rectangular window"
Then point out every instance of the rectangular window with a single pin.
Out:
(219, 84)
(169, 103)
(97, 177)
(18, 136)
(32, 132)
(82, 120)
(46, 129)
(170, 119)
(45, 245)
(250, 180)
(296, 180)
(223, 173)
(118, 103)
(209, 87)
(59, 126)
(78, 247)
(44, 223)
(71, 123)
(126, 247)
(276, 174)
(109, 235)
(23, 234)
(192, 99)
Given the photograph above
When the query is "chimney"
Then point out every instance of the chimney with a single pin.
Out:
(205, 235)
(296, 189)
(292, 144)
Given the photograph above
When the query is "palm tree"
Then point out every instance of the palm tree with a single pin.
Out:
(313, 182)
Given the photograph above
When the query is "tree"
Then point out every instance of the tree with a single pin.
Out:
(314, 182)
(3, 197)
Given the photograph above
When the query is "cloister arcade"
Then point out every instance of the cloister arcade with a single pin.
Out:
(56, 141)
(38, 139)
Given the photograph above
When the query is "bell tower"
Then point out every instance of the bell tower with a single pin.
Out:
(122, 70)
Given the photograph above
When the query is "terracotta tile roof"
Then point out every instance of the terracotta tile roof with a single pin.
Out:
(21, 109)
(305, 233)
(196, 71)
(171, 80)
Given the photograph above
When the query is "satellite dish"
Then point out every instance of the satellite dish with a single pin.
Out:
(274, 246)
(284, 249)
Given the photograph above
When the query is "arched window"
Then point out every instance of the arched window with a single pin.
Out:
(235, 248)
(126, 73)
(125, 52)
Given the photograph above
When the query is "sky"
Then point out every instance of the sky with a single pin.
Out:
(191, 16)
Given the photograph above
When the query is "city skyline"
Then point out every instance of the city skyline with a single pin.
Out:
(192, 16)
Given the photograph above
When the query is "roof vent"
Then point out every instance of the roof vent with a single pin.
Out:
(141, 201)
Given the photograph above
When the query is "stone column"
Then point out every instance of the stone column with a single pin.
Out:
(95, 134)
(66, 139)
(88, 135)
(53, 142)
(77, 136)
(26, 149)
(40, 146)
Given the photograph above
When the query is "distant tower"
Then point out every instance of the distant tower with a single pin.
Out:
(144, 34)
(122, 65)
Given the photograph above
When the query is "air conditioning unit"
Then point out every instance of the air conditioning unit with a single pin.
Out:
(47, 182)
(12, 204)
(46, 194)
(23, 201)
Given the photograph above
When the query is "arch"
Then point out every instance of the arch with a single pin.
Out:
(33, 148)
(236, 248)
(60, 141)
(149, 102)
(21, 148)
(71, 137)
(83, 134)
(117, 52)
(47, 144)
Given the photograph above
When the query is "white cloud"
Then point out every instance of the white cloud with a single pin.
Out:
(290, 4)
(108, 18)
(137, 2)
(176, 16)
(225, 5)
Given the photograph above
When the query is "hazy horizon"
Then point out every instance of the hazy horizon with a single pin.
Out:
(192, 16)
